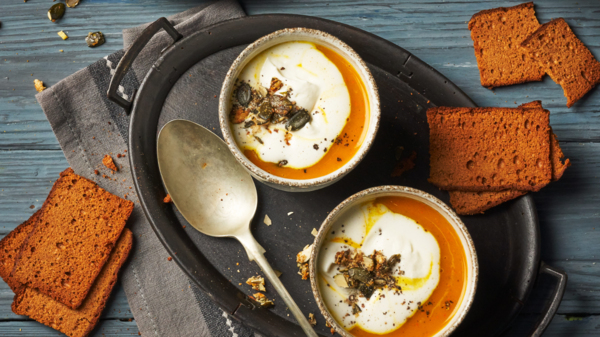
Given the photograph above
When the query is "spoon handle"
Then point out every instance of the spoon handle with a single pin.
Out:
(254, 248)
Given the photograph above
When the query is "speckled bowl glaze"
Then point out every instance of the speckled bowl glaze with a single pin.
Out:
(266, 42)
(428, 199)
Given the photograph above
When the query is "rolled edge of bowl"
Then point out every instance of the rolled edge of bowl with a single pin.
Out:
(265, 42)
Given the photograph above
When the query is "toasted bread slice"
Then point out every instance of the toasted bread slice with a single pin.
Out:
(76, 230)
(10, 246)
(565, 58)
(489, 149)
(76, 322)
(467, 203)
(497, 35)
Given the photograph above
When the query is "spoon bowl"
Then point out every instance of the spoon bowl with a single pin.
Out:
(214, 193)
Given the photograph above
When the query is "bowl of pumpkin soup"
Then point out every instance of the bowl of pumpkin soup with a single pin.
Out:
(393, 261)
(299, 109)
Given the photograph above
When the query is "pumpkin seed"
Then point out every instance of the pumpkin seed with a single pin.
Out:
(56, 12)
(380, 282)
(356, 309)
(359, 274)
(244, 94)
(264, 112)
(366, 290)
(298, 120)
(393, 260)
(94, 39)
(72, 3)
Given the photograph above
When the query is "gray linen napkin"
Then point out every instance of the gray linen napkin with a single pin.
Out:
(162, 299)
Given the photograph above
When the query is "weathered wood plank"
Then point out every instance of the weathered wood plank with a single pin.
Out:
(434, 31)
(114, 328)
(561, 326)
(25, 180)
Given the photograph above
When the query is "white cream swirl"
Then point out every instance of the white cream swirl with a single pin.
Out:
(317, 85)
(370, 227)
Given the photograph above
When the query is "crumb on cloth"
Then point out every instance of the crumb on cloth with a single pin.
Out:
(109, 163)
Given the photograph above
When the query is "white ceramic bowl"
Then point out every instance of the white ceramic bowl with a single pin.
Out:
(266, 42)
(428, 199)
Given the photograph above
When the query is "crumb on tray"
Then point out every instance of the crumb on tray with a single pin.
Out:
(262, 299)
(108, 162)
(302, 261)
(257, 283)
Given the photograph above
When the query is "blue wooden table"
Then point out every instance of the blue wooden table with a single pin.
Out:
(434, 30)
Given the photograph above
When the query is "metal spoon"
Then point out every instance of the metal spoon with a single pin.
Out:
(214, 193)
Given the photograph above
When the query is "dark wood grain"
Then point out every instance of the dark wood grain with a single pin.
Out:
(435, 31)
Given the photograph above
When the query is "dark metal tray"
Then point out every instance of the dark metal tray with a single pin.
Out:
(506, 238)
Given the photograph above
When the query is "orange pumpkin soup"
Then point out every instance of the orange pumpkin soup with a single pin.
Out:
(349, 140)
(392, 266)
(445, 300)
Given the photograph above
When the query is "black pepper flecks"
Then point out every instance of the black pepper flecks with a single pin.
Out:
(316, 147)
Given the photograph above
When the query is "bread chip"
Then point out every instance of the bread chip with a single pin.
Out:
(77, 228)
(565, 58)
(497, 35)
(76, 322)
(10, 246)
(467, 203)
(109, 163)
(489, 149)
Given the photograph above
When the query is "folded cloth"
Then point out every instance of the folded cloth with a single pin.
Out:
(162, 299)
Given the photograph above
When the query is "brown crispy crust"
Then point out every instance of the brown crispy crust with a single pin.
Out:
(76, 322)
(556, 156)
(497, 34)
(556, 153)
(564, 57)
(480, 14)
(84, 242)
(468, 203)
(10, 246)
(489, 149)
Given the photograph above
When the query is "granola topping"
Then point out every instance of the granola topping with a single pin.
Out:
(376, 268)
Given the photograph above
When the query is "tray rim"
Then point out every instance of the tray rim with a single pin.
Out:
(245, 307)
